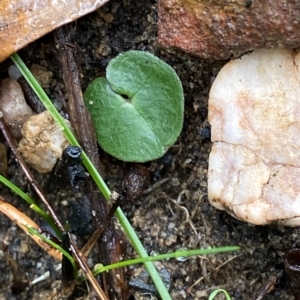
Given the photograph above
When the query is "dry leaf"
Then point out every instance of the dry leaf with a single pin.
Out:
(23, 21)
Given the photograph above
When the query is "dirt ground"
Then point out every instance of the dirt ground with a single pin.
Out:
(174, 214)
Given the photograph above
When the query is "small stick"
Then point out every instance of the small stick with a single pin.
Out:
(98, 232)
(28, 173)
(38, 190)
(24, 222)
(31, 97)
(83, 265)
(109, 252)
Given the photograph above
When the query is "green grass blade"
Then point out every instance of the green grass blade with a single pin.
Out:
(18, 191)
(55, 246)
(60, 121)
(136, 243)
(31, 202)
(214, 294)
(176, 254)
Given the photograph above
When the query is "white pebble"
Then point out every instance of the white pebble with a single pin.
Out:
(254, 165)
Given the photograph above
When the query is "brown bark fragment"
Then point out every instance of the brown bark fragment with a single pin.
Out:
(109, 244)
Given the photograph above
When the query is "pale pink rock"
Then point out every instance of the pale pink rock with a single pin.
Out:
(254, 111)
(13, 106)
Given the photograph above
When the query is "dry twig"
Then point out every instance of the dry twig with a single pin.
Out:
(110, 248)
(24, 223)
(79, 258)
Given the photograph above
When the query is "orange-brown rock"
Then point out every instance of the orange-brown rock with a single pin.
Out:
(228, 28)
(23, 21)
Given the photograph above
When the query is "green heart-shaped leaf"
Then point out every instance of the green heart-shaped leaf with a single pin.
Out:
(138, 110)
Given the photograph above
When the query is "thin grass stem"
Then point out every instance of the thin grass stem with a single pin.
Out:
(165, 256)
(30, 201)
(136, 243)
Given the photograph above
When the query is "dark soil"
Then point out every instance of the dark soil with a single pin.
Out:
(173, 215)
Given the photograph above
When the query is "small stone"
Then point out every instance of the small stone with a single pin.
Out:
(108, 18)
(175, 181)
(254, 164)
(170, 240)
(171, 225)
(42, 75)
(13, 106)
(43, 142)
